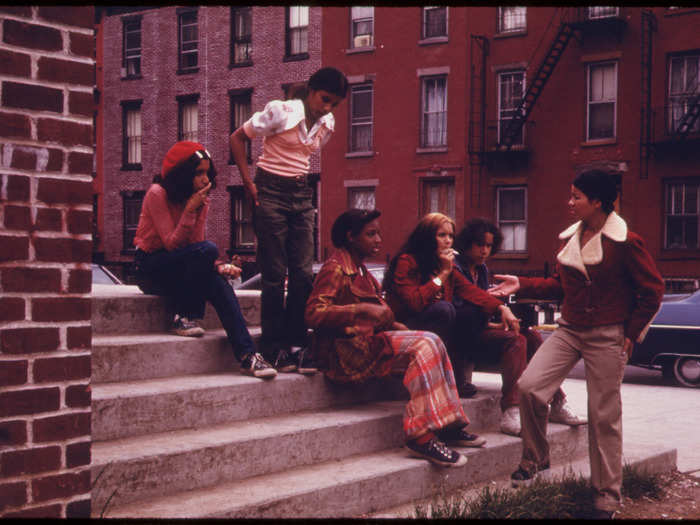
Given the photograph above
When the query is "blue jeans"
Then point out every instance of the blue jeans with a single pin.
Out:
(187, 276)
(284, 227)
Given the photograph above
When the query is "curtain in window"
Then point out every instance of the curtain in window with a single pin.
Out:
(190, 114)
(361, 122)
(511, 219)
(512, 18)
(435, 112)
(602, 92)
(362, 26)
(682, 215)
(133, 133)
(132, 47)
(242, 22)
(434, 22)
(510, 96)
(298, 30)
(362, 198)
(684, 86)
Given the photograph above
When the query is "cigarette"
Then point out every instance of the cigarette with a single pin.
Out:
(455, 252)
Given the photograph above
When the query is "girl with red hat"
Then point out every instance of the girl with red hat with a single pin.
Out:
(174, 259)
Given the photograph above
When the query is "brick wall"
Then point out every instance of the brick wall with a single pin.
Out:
(46, 109)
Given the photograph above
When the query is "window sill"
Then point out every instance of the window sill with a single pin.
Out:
(433, 40)
(436, 149)
(508, 34)
(247, 63)
(599, 142)
(672, 254)
(513, 255)
(294, 58)
(132, 77)
(356, 50)
(132, 167)
(359, 154)
(187, 71)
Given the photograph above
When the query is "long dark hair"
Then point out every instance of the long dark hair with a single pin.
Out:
(178, 182)
(422, 245)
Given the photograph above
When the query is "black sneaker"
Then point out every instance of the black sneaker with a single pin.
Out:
(186, 328)
(284, 362)
(462, 438)
(304, 360)
(522, 477)
(466, 390)
(254, 365)
(437, 452)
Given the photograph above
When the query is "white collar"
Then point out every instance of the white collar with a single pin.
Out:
(298, 114)
(615, 228)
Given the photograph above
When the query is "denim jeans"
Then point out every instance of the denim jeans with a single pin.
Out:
(284, 225)
(187, 276)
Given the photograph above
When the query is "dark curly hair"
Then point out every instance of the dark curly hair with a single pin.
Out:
(475, 231)
(178, 182)
(598, 185)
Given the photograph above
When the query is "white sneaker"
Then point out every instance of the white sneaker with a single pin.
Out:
(562, 413)
(510, 421)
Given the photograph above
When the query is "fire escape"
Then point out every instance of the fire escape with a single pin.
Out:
(646, 138)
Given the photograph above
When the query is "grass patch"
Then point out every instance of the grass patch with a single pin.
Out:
(567, 497)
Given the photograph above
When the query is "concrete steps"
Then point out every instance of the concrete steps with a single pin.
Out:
(179, 432)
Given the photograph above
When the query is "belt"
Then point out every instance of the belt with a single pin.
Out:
(295, 180)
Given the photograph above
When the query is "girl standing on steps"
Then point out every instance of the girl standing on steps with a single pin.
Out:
(355, 332)
(173, 258)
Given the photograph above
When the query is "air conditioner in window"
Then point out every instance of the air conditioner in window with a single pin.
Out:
(362, 41)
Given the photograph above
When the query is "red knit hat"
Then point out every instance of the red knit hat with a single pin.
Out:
(179, 153)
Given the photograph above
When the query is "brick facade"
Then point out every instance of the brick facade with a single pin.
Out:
(46, 86)
(157, 90)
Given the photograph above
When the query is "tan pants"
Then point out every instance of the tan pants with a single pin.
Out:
(601, 349)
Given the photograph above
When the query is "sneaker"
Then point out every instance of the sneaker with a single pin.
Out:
(462, 438)
(304, 360)
(510, 421)
(186, 328)
(522, 477)
(284, 362)
(437, 452)
(254, 365)
(466, 390)
(562, 413)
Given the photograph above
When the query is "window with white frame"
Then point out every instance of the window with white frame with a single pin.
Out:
(602, 100)
(131, 134)
(434, 111)
(131, 208)
(602, 12)
(362, 197)
(511, 89)
(241, 35)
(189, 119)
(438, 196)
(297, 30)
(242, 234)
(361, 117)
(361, 27)
(682, 214)
(434, 21)
(511, 213)
(189, 40)
(131, 53)
(684, 86)
(512, 19)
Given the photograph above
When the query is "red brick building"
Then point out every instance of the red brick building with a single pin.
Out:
(195, 73)
(436, 121)
(46, 86)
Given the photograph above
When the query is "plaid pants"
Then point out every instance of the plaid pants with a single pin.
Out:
(429, 379)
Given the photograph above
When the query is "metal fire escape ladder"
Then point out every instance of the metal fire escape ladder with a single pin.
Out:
(477, 99)
(536, 85)
(645, 127)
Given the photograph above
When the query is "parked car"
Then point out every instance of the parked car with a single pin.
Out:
(673, 341)
(255, 282)
(101, 275)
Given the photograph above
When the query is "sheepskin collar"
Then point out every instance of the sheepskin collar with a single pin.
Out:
(615, 228)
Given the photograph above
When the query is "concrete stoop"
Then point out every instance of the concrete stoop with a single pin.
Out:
(179, 432)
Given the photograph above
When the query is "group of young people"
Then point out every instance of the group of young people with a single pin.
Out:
(438, 311)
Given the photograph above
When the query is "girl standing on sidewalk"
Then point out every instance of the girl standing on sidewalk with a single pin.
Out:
(283, 215)
(610, 290)
(174, 259)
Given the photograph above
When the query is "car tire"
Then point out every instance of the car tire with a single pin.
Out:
(686, 370)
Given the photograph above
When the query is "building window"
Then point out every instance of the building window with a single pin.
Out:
(602, 100)
(362, 197)
(434, 111)
(684, 86)
(682, 213)
(602, 12)
(511, 212)
(131, 52)
(131, 135)
(241, 111)
(439, 196)
(512, 19)
(189, 40)
(298, 31)
(511, 89)
(362, 27)
(188, 115)
(131, 205)
(242, 234)
(241, 35)
(361, 118)
(434, 22)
